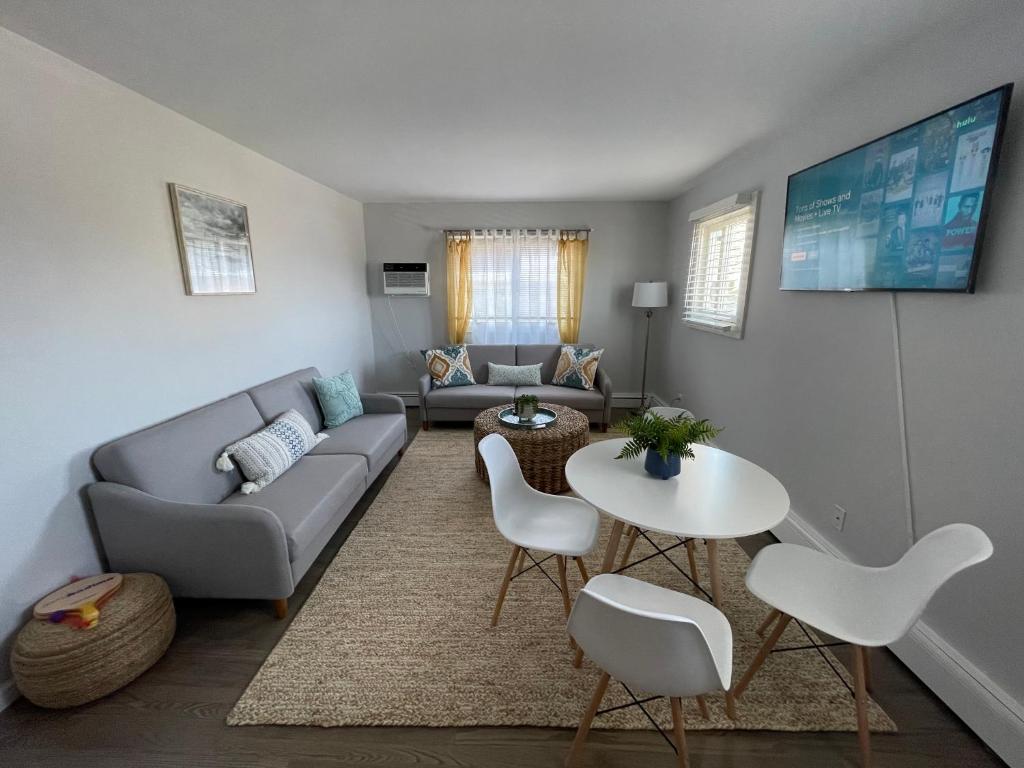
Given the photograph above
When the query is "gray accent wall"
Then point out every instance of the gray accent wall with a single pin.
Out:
(98, 337)
(812, 390)
(628, 244)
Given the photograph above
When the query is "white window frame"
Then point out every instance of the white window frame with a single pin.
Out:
(697, 271)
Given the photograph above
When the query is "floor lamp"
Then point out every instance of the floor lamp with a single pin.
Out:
(648, 296)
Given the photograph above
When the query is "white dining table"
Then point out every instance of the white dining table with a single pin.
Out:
(717, 495)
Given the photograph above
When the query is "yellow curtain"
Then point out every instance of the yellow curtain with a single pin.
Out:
(460, 286)
(572, 267)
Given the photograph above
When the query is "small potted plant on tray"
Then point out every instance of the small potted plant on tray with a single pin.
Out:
(525, 407)
(666, 441)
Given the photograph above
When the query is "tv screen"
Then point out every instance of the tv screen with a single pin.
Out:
(903, 213)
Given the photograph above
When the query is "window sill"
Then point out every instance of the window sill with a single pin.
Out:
(729, 331)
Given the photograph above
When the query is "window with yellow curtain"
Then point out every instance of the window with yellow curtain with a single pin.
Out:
(515, 286)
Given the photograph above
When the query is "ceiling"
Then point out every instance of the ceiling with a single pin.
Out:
(396, 100)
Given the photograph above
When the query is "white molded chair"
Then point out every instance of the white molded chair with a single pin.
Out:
(563, 525)
(662, 642)
(867, 607)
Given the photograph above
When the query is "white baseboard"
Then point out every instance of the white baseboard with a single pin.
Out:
(995, 716)
(8, 694)
(619, 399)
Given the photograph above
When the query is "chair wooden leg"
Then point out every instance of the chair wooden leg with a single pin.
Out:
(679, 730)
(702, 704)
(716, 573)
(577, 660)
(762, 655)
(634, 532)
(860, 683)
(281, 608)
(504, 584)
(604, 426)
(426, 426)
(613, 547)
(582, 569)
(691, 553)
(768, 621)
(588, 717)
(867, 670)
(563, 582)
(522, 559)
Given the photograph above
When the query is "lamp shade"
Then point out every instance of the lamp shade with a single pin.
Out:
(650, 294)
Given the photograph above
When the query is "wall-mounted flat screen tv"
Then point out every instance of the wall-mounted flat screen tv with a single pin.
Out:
(903, 213)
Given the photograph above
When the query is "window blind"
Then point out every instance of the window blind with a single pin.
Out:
(716, 283)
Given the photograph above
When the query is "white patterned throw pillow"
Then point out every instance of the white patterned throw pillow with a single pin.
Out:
(266, 455)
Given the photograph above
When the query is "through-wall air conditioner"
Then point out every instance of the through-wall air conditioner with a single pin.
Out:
(407, 278)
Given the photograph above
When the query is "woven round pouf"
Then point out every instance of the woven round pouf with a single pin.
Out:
(542, 453)
(55, 666)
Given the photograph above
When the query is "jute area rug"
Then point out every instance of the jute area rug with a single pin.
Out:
(397, 633)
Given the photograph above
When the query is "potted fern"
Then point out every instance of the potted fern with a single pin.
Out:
(666, 441)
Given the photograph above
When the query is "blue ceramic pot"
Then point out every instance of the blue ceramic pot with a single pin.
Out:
(657, 466)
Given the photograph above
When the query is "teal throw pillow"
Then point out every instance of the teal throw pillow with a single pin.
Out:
(339, 398)
(513, 375)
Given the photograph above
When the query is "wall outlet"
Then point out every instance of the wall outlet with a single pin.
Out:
(838, 517)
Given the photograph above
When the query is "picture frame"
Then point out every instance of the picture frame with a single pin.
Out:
(214, 243)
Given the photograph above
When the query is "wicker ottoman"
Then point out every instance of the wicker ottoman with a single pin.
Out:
(55, 666)
(542, 453)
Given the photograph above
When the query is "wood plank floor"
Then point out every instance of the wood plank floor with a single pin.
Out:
(174, 715)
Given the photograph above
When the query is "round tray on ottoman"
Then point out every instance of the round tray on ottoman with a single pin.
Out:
(542, 453)
(55, 666)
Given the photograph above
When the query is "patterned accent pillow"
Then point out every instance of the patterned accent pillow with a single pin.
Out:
(266, 455)
(577, 367)
(339, 398)
(448, 366)
(513, 375)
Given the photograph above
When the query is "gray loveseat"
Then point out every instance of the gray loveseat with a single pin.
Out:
(465, 402)
(162, 506)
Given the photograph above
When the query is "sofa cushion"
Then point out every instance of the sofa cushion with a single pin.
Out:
(176, 460)
(308, 496)
(448, 366)
(577, 367)
(369, 435)
(580, 399)
(478, 396)
(339, 398)
(266, 455)
(293, 390)
(482, 354)
(513, 375)
(545, 354)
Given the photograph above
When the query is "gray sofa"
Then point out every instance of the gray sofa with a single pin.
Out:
(162, 506)
(465, 402)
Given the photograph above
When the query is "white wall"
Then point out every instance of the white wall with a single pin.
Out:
(811, 391)
(98, 338)
(628, 243)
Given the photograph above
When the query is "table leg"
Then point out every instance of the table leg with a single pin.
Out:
(716, 573)
(613, 547)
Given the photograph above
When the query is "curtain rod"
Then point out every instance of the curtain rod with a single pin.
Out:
(473, 229)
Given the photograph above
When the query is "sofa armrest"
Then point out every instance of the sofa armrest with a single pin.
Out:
(424, 389)
(604, 385)
(382, 403)
(201, 550)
